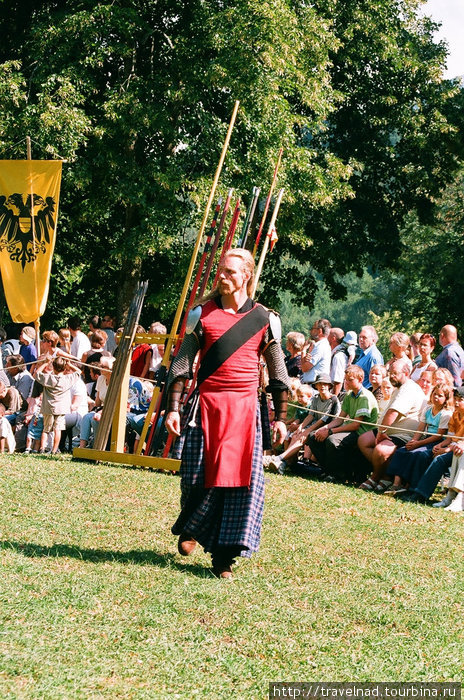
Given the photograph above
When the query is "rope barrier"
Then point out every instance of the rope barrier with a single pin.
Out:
(347, 419)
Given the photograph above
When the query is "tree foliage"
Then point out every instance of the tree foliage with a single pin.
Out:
(137, 94)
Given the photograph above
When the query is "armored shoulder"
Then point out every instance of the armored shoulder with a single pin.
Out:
(192, 319)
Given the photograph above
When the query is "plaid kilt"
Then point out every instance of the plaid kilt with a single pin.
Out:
(219, 516)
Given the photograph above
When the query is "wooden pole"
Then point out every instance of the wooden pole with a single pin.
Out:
(267, 241)
(183, 296)
(268, 202)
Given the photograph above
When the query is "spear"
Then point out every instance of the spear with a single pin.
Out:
(259, 267)
(215, 244)
(229, 237)
(249, 217)
(180, 306)
(268, 202)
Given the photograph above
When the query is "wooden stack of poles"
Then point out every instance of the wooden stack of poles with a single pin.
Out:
(120, 366)
(151, 437)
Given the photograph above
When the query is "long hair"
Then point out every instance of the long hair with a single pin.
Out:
(248, 265)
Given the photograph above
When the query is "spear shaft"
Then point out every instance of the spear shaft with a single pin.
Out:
(268, 202)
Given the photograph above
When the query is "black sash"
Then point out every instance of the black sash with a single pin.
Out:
(233, 339)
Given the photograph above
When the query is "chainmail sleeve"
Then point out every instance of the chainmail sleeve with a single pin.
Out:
(181, 370)
(278, 378)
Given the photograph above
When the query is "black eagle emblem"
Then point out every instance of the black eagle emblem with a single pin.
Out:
(26, 226)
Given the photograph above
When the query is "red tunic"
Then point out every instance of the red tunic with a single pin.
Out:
(228, 396)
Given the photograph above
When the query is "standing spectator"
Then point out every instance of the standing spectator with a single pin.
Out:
(339, 359)
(452, 355)
(370, 354)
(64, 341)
(294, 346)
(399, 346)
(108, 324)
(80, 342)
(425, 346)
(28, 351)
(56, 399)
(317, 359)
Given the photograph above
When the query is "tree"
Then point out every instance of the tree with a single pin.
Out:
(398, 126)
(137, 95)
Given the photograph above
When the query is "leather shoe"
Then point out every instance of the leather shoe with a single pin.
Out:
(222, 571)
(186, 544)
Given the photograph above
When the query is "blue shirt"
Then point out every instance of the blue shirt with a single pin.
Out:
(452, 358)
(368, 358)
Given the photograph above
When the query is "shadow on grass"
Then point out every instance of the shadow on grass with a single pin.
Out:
(98, 556)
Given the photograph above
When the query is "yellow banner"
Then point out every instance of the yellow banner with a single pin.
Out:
(29, 198)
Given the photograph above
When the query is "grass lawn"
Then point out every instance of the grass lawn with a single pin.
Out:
(96, 603)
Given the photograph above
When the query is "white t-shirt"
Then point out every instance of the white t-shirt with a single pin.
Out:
(408, 400)
(80, 345)
(80, 391)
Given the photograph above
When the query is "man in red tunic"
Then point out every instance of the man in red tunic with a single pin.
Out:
(221, 442)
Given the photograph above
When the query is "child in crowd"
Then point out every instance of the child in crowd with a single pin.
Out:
(65, 339)
(350, 343)
(410, 462)
(90, 420)
(35, 427)
(376, 376)
(304, 395)
(324, 406)
(7, 438)
(387, 391)
(56, 397)
(291, 408)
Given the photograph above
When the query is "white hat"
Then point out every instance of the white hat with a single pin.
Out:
(351, 338)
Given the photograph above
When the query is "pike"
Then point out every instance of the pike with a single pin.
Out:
(249, 217)
(183, 296)
(215, 244)
(229, 237)
(267, 240)
(268, 202)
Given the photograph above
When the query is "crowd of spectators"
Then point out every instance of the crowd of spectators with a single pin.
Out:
(392, 426)
(51, 396)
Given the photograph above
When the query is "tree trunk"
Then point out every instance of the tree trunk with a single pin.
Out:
(131, 269)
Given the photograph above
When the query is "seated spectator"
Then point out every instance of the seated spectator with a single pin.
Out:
(304, 394)
(108, 324)
(414, 354)
(452, 355)
(90, 420)
(323, 407)
(387, 391)
(156, 328)
(97, 351)
(78, 409)
(376, 377)
(34, 422)
(334, 444)
(399, 346)
(370, 354)
(440, 375)
(21, 379)
(399, 423)
(28, 351)
(7, 438)
(80, 343)
(94, 324)
(426, 345)
(295, 343)
(442, 457)
(10, 399)
(141, 358)
(426, 382)
(410, 462)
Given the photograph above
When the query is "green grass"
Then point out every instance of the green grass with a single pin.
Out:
(96, 603)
